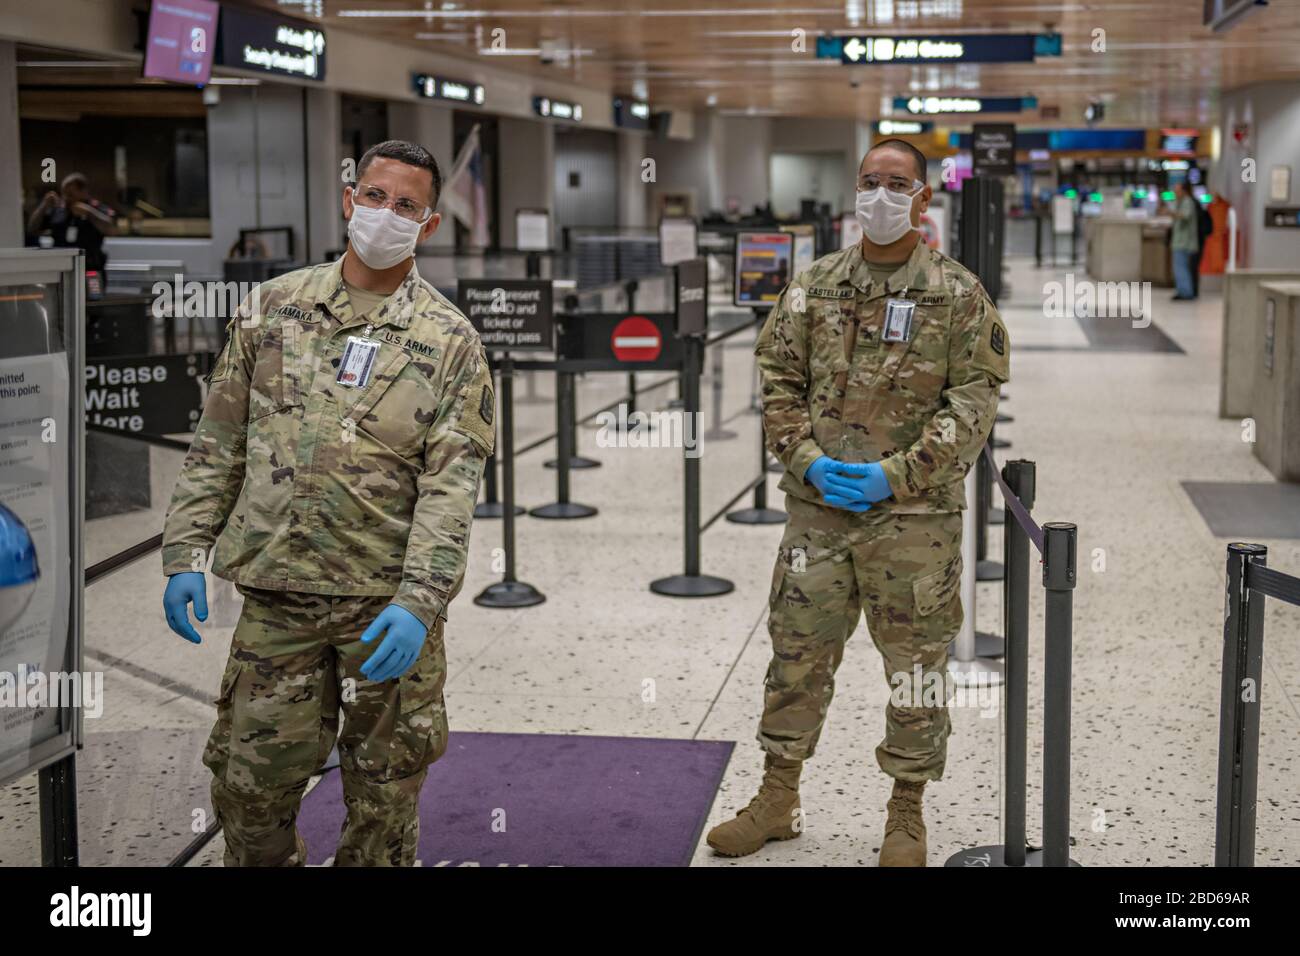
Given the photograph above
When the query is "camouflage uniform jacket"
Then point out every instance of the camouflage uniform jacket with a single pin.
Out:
(923, 407)
(307, 485)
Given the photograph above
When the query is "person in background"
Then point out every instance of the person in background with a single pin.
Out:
(72, 218)
(1184, 243)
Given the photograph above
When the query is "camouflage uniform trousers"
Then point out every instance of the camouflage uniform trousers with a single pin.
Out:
(904, 572)
(294, 661)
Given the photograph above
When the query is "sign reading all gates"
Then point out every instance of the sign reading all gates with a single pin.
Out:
(510, 315)
(617, 341)
(993, 149)
(154, 394)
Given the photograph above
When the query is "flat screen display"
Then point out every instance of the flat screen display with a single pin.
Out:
(180, 41)
(763, 264)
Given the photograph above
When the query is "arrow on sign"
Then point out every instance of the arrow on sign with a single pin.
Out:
(855, 49)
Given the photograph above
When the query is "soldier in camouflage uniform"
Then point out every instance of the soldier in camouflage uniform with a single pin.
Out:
(838, 383)
(335, 507)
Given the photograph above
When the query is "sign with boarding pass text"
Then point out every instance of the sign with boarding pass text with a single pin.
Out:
(510, 315)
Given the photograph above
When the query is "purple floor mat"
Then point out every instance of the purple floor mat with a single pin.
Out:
(550, 800)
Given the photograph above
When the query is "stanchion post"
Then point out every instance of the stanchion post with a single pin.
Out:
(691, 583)
(57, 793)
(1059, 575)
(985, 569)
(1243, 662)
(509, 591)
(716, 431)
(490, 506)
(1020, 478)
(562, 507)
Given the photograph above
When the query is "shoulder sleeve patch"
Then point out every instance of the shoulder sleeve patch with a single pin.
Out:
(993, 346)
(478, 408)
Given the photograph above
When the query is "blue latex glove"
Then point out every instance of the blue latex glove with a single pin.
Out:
(181, 590)
(399, 648)
(818, 470)
(865, 483)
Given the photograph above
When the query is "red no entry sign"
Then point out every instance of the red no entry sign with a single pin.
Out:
(636, 339)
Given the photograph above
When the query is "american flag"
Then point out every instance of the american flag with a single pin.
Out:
(464, 193)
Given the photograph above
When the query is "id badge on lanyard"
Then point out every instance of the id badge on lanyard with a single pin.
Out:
(898, 320)
(358, 360)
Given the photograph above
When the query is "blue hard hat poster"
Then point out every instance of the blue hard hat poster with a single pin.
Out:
(34, 531)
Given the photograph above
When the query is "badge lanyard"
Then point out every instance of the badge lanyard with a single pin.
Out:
(358, 360)
(898, 319)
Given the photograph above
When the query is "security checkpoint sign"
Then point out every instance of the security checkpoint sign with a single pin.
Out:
(510, 315)
(993, 149)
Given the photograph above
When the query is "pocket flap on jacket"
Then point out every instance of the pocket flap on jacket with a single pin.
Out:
(935, 590)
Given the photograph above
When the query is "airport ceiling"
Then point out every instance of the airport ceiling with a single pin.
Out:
(1160, 65)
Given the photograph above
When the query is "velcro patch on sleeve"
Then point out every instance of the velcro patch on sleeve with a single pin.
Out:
(992, 350)
(478, 412)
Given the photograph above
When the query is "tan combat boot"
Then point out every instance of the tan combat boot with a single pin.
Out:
(904, 829)
(773, 814)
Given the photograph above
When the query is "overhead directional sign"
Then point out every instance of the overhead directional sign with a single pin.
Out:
(902, 127)
(930, 105)
(441, 88)
(953, 48)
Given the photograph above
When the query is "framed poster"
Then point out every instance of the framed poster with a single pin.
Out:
(677, 240)
(43, 684)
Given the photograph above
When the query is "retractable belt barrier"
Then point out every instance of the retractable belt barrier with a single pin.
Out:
(1249, 582)
(1056, 542)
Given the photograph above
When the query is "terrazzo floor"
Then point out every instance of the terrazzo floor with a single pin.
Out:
(1114, 433)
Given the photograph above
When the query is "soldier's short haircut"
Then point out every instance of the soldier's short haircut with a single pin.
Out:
(412, 154)
(918, 157)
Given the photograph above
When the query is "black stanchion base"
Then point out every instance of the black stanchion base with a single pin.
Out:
(692, 585)
(719, 434)
(993, 857)
(1000, 443)
(989, 646)
(493, 509)
(1005, 419)
(989, 571)
(575, 461)
(757, 516)
(997, 516)
(562, 510)
(509, 594)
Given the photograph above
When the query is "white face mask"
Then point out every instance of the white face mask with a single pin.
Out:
(381, 237)
(884, 216)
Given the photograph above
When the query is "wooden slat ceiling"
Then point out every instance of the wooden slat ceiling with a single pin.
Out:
(1160, 66)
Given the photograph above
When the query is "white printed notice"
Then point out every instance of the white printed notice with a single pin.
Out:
(35, 521)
